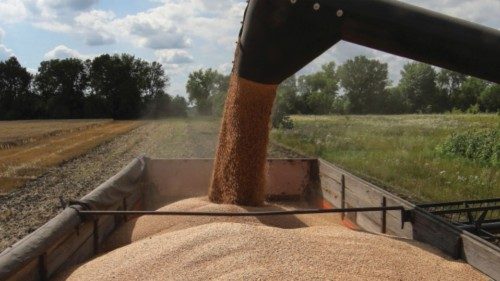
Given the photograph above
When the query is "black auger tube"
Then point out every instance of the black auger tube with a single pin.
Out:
(279, 37)
(422, 35)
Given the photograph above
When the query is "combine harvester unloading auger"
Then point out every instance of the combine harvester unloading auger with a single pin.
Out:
(277, 39)
(280, 37)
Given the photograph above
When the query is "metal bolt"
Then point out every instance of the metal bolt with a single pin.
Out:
(293, 1)
(340, 13)
(316, 6)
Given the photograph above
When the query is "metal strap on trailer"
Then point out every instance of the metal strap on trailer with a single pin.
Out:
(405, 214)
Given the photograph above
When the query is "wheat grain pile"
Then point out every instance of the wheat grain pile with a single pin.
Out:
(295, 248)
(152, 225)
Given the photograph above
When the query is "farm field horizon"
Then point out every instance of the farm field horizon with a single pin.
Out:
(398, 152)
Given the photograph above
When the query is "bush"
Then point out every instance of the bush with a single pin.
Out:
(473, 109)
(340, 105)
(480, 146)
(280, 118)
(490, 98)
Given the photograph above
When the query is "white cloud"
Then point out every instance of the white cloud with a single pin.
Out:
(174, 57)
(479, 11)
(5, 53)
(225, 68)
(159, 28)
(96, 28)
(76, 5)
(63, 52)
(159, 37)
(12, 11)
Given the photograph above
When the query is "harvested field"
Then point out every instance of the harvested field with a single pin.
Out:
(22, 163)
(296, 247)
(27, 208)
(15, 133)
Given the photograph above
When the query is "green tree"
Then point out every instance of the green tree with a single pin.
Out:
(285, 104)
(341, 105)
(62, 84)
(449, 84)
(396, 102)
(418, 85)
(364, 82)
(218, 99)
(490, 98)
(120, 81)
(178, 106)
(17, 101)
(318, 90)
(202, 85)
(469, 93)
(155, 98)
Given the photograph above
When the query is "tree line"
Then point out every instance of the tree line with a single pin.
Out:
(359, 86)
(362, 86)
(125, 87)
(108, 86)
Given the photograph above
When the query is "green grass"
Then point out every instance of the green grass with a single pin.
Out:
(399, 152)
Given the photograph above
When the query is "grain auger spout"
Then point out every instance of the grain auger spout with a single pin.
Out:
(279, 37)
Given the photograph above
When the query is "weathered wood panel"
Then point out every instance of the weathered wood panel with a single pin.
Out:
(29, 272)
(79, 245)
(174, 179)
(330, 190)
(436, 232)
(368, 222)
(481, 255)
(360, 193)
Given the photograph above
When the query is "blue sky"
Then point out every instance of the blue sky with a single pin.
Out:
(183, 35)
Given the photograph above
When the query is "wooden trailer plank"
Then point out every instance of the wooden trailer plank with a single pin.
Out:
(330, 190)
(368, 222)
(334, 171)
(330, 170)
(29, 272)
(360, 193)
(481, 255)
(436, 232)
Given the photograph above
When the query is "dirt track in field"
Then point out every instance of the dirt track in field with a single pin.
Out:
(27, 208)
